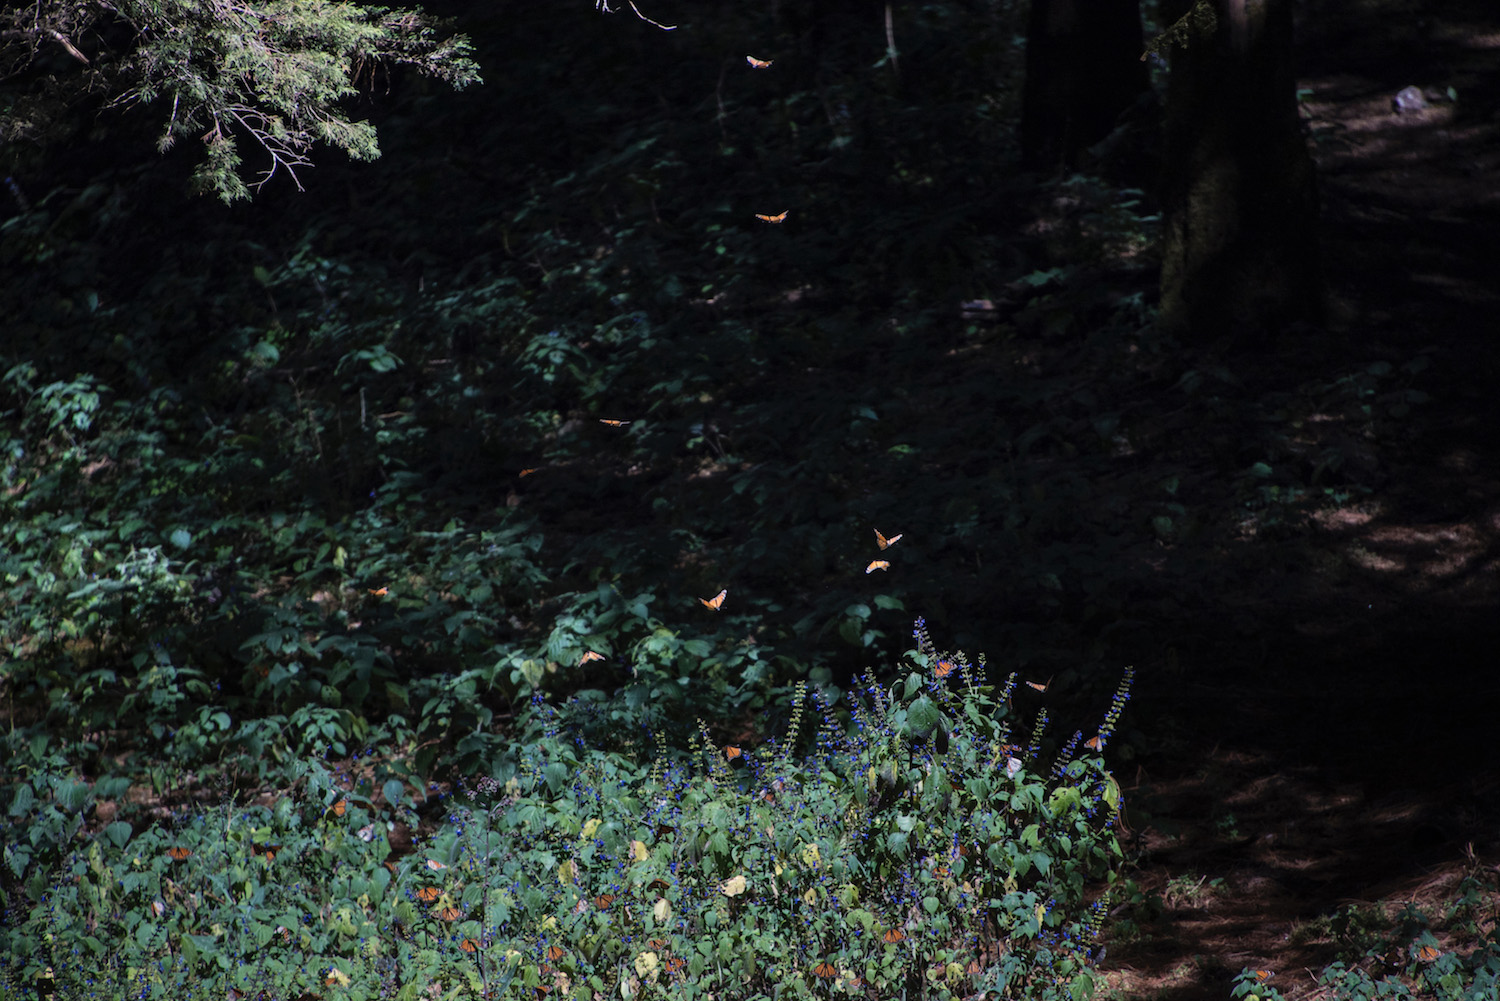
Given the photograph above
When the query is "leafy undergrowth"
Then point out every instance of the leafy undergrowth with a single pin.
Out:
(924, 852)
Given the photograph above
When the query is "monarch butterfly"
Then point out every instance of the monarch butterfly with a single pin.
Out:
(379, 592)
(675, 963)
(759, 64)
(883, 542)
(604, 900)
(366, 833)
(894, 935)
(450, 913)
(973, 967)
(1012, 767)
(526, 472)
(878, 565)
(825, 970)
(944, 668)
(1096, 742)
(1261, 976)
(469, 945)
(717, 601)
(435, 865)
(177, 854)
(427, 894)
(269, 851)
(733, 752)
(772, 218)
(591, 655)
(340, 807)
(657, 945)
(1042, 687)
(1428, 953)
(613, 424)
(556, 952)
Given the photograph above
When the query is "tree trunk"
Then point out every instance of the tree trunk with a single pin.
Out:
(1239, 194)
(1083, 69)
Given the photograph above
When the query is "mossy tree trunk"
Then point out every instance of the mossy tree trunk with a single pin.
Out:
(1239, 193)
(1083, 69)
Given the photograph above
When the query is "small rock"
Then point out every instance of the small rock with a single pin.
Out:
(1409, 99)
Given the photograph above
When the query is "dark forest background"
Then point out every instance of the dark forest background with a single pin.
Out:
(1162, 335)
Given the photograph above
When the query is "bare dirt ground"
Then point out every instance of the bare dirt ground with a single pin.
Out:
(1343, 763)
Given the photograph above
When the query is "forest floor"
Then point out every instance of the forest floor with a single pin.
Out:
(1334, 757)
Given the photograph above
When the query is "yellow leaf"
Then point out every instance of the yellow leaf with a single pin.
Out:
(810, 856)
(638, 850)
(733, 887)
(661, 910)
(646, 965)
(589, 828)
(567, 873)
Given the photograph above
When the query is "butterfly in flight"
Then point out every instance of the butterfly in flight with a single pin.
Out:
(435, 865)
(717, 601)
(379, 592)
(613, 424)
(1095, 742)
(526, 472)
(772, 218)
(944, 668)
(878, 565)
(759, 64)
(591, 655)
(1039, 687)
(883, 542)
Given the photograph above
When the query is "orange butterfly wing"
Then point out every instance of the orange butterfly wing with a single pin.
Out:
(944, 667)
(591, 655)
(178, 854)
(878, 565)
(894, 935)
(613, 424)
(717, 601)
(435, 865)
(772, 218)
(825, 970)
(759, 64)
(1095, 742)
(883, 542)
(1039, 687)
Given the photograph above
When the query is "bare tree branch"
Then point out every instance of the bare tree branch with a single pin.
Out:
(604, 6)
